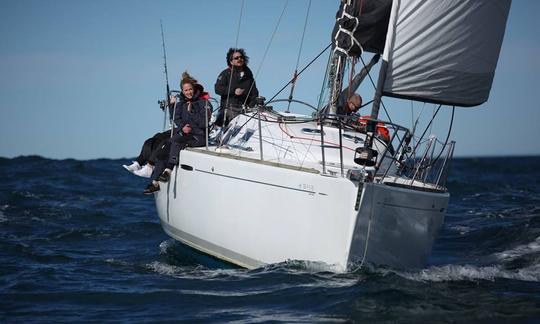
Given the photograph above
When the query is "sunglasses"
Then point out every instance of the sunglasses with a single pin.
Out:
(236, 58)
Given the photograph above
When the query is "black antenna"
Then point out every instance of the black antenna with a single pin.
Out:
(165, 104)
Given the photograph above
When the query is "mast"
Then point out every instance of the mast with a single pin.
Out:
(342, 50)
(336, 82)
(384, 64)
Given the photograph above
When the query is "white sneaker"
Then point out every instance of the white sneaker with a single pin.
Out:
(145, 171)
(134, 166)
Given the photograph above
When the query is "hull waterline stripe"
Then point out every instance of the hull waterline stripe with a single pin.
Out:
(210, 248)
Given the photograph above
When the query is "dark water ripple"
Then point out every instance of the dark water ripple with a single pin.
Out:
(78, 242)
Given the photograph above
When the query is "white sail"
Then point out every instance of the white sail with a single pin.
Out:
(444, 51)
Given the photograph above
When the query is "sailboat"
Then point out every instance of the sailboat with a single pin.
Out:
(282, 186)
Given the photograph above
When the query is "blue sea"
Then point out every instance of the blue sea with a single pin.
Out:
(80, 242)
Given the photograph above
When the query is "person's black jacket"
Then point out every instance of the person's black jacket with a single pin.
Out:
(241, 78)
(196, 115)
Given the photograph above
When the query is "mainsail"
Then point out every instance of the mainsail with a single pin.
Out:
(438, 51)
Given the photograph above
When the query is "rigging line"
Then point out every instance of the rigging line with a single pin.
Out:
(239, 23)
(412, 116)
(367, 235)
(311, 62)
(308, 150)
(431, 127)
(375, 87)
(266, 126)
(173, 116)
(166, 76)
(285, 86)
(303, 35)
(266, 50)
(305, 146)
(232, 66)
(295, 75)
(291, 144)
(312, 139)
(276, 120)
(427, 127)
(367, 103)
(414, 127)
(445, 142)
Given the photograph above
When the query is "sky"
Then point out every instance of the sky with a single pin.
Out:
(81, 79)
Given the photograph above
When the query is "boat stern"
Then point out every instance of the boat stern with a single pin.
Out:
(397, 226)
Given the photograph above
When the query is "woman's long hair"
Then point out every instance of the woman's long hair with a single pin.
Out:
(186, 78)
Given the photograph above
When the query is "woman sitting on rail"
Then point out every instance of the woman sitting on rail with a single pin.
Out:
(192, 121)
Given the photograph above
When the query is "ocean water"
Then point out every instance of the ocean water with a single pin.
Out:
(79, 242)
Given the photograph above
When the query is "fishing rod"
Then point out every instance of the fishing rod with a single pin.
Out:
(164, 103)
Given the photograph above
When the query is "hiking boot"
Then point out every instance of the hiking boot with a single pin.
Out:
(145, 171)
(165, 176)
(134, 166)
(150, 189)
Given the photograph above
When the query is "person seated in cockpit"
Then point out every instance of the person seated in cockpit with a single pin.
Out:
(351, 106)
(347, 103)
(350, 117)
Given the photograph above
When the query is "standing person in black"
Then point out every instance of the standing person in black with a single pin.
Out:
(236, 86)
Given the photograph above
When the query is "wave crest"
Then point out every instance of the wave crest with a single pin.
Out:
(470, 272)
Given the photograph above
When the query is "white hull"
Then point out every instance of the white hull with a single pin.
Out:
(252, 213)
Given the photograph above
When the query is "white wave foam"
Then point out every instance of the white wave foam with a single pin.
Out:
(38, 220)
(469, 272)
(461, 229)
(27, 194)
(225, 293)
(163, 268)
(211, 274)
(332, 282)
(116, 262)
(165, 245)
(520, 250)
(311, 266)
